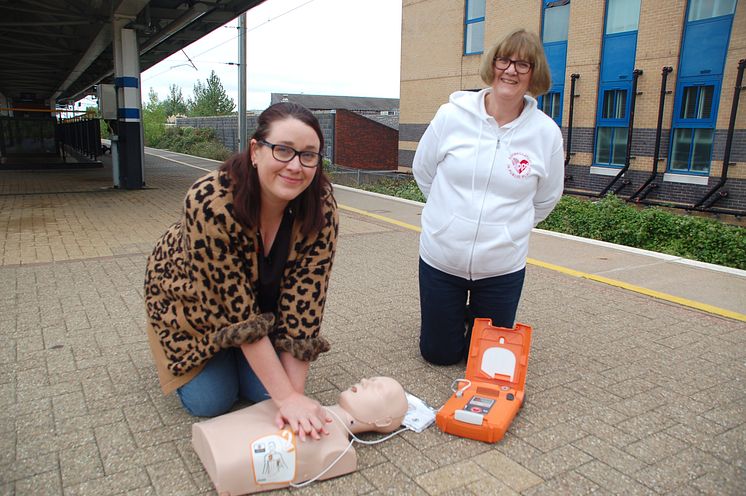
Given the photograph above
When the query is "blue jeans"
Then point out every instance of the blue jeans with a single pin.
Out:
(446, 317)
(218, 386)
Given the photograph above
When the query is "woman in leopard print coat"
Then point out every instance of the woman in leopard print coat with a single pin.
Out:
(235, 290)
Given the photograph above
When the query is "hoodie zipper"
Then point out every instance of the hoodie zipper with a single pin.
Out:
(481, 207)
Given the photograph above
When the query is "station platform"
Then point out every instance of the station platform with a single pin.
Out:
(635, 379)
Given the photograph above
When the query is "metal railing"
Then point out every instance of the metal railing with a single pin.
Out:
(359, 177)
(82, 134)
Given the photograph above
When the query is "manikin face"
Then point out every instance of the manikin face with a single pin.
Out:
(508, 83)
(280, 181)
(378, 401)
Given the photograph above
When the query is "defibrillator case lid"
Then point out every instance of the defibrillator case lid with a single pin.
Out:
(498, 355)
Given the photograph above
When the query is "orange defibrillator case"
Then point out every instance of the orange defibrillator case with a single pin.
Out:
(485, 404)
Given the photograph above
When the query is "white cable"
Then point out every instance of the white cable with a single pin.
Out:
(352, 440)
(460, 392)
(355, 438)
(302, 484)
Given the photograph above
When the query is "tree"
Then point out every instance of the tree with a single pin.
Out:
(175, 104)
(211, 98)
(153, 119)
(153, 104)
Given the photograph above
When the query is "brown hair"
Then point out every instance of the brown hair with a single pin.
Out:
(527, 46)
(308, 206)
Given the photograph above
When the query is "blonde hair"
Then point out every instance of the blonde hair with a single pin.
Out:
(528, 47)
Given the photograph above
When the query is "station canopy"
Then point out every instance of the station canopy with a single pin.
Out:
(55, 51)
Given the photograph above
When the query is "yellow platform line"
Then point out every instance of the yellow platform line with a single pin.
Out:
(381, 217)
(704, 307)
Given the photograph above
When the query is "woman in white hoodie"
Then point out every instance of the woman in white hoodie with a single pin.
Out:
(491, 166)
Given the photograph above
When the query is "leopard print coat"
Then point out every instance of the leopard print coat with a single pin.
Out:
(201, 280)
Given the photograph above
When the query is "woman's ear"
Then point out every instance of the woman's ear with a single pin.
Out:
(252, 151)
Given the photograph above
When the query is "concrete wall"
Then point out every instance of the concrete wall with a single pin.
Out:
(433, 66)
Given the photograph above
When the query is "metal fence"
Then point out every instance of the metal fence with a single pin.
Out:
(358, 177)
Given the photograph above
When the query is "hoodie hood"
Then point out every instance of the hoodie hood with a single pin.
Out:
(473, 102)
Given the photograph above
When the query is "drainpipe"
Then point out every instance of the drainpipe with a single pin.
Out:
(713, 210)
(573, 77)
(627, 156)
(664, 76)
(728, 143)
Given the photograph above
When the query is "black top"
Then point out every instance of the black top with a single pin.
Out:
(272, 266)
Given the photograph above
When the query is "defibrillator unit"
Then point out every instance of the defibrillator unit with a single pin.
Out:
(488, 399)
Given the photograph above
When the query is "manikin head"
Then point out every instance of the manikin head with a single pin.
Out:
(376, 404)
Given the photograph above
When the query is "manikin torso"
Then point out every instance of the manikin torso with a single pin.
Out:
(244, 451)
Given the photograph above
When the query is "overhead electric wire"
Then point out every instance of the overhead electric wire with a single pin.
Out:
(231, 39)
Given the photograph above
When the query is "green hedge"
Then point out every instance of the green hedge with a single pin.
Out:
(201, 142)
(651, 228)
(612, 219)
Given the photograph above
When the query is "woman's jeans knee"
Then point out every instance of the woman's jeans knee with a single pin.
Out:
(224, 378)
(444, 311)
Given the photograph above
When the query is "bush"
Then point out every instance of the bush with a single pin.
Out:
(651, 228)
(612, 219)
(201, 142)
(153, 125)
(406, 188)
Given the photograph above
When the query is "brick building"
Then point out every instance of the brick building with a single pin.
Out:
(365, 128)
(610, 59)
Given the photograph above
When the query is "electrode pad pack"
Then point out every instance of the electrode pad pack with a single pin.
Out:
(485, 403)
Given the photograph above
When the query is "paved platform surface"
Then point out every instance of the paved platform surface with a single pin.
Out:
(627, 392)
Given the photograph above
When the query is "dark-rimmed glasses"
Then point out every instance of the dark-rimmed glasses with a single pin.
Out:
(521, 66)
(285, 153)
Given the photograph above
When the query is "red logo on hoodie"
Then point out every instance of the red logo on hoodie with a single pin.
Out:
(519, 166)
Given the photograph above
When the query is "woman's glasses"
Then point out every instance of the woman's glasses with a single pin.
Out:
(521, 66)
(284, 153)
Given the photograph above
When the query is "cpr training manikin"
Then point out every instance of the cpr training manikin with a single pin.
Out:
(243, 451)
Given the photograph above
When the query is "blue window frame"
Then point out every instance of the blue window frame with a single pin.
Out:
(691, 150)
(554, 29)
(696, 103)
(614, 106)
(474, 27)
(615, 87)
(611, 145)
(703, 50)
(612, 121)
(693, 126)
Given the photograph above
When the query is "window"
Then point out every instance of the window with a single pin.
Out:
(556, 21)
(706, 37)
(611, 145)
(622, 16)
(696, 102)
(614, 104)
(550, 104)
(616, 79)
(474, 27)
(691, 150)
(705, 9)
(693, 133)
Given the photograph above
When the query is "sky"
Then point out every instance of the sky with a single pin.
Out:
(316, 47)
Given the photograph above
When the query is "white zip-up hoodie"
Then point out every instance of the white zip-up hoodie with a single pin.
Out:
(486, 185)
